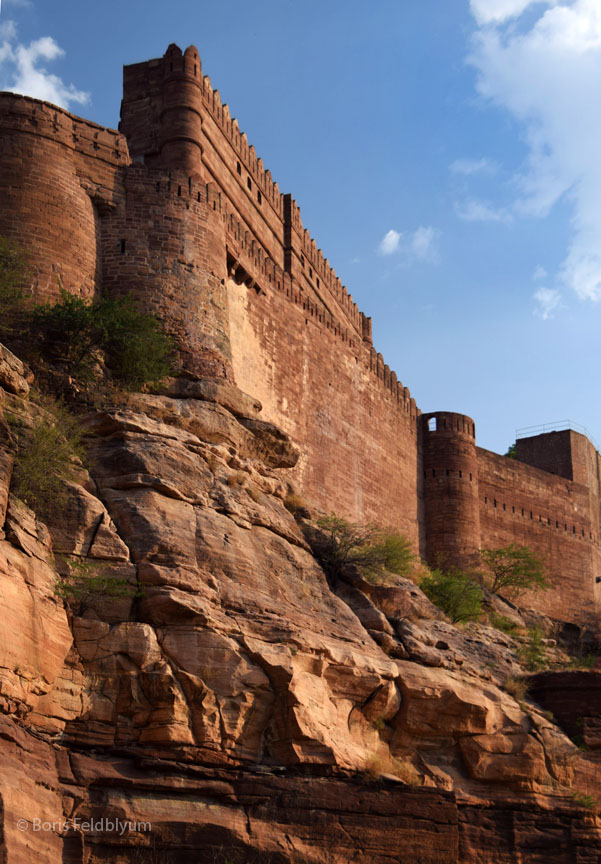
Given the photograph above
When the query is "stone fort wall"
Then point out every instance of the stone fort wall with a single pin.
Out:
(177, 209)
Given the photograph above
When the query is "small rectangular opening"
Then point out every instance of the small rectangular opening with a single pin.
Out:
(432, 424)
(239, 168)
(248, 183)
(122, 247)
(259, 197)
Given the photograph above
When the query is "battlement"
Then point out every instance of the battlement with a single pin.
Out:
(23, 114)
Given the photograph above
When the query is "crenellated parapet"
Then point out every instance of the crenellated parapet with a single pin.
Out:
(27, 116)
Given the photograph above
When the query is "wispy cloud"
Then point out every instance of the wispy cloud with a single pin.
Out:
(467, 167)
(480, 211)
(21, 70)
(389, 243)
(548, 301)
(418, 245)
(497, 11)
(546, 72)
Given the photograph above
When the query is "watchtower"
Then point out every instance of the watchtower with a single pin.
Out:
(451, 507)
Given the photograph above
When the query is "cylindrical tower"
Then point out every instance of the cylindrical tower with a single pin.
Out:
(451, 507)
(181, 122)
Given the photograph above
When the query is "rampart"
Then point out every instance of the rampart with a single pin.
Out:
(177, 209)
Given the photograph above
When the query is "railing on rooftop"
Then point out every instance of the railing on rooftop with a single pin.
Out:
(557, 426)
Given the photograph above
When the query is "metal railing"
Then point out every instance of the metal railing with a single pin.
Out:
(557, 426)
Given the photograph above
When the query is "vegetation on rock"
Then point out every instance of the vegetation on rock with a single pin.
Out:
(76, 332)
(373, 550)
(514, 569)
(87, 582)
(12, 297)
(47, 457)
(455, 592)
(82, 334)
(532, 653)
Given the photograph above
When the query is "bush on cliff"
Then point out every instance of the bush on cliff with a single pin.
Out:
(47, 457)
(455, 592)
(373, 550)
(87, 582)
(76, 332)
(514, 569)
(12, 296)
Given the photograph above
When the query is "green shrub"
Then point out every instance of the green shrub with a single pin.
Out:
(87, 582)
(515, 569)
(516, 687)
(455, 592)
(502, 623)
(373, 550)
(46, 458)
(77, 331)
(532, 654)
(585, 662)
(587, 801)
(12, 296)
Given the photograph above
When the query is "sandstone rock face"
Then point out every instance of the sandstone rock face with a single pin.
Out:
(233, 699)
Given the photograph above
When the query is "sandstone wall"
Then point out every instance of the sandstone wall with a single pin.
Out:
(58, 174)
(359, 443)
(524, 505)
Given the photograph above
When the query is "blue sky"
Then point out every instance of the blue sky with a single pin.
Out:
(445, 156)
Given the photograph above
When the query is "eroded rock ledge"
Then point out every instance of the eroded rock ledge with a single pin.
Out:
(237, 702)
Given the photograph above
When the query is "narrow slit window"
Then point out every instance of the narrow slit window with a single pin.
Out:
(259, 197)
(249, 183)
(239, 168)
(122, 247)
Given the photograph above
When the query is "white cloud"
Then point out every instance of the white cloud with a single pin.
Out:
(539, 273)
(548, 302)
(389, 243)
(423, 243)
(418, 245)
(479, 211)
(21, 72)
(547, 74)
(497, 11)
(473, 166)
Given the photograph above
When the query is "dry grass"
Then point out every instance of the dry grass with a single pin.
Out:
(379, 764)
(293, 502)
(237, 478)
(516, 687)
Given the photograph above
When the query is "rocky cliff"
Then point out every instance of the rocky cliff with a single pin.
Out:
(229, 704)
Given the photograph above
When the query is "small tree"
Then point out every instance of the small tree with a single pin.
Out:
(12, 296)
(372, 549)
(47, 457)
(455, 592)
(87, 582)
(514, 568)
(74, 330)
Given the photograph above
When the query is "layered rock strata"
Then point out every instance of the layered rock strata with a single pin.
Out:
(231, 705)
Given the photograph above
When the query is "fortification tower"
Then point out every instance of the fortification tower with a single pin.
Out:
(451, 507)
(161, 112)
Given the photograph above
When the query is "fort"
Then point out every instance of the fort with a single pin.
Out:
(177, 208)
